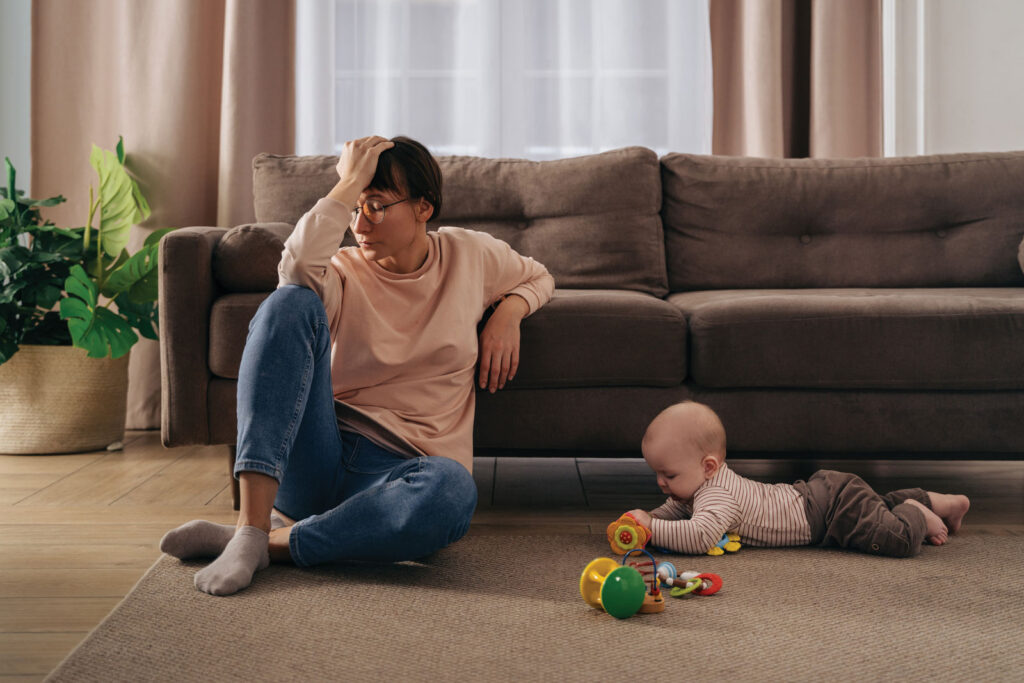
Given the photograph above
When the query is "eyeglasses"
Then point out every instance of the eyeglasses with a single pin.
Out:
(373, 210)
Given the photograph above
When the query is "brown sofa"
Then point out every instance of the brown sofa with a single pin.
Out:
(862, 305)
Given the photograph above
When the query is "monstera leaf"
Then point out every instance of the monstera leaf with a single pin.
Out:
(97, 329)
(121, 202)
(135, 276)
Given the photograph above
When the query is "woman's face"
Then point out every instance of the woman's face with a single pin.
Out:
(398, 242)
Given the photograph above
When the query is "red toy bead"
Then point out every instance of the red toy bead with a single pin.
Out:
(716, 584)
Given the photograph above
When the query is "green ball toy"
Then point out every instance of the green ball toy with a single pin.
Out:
(616, 589)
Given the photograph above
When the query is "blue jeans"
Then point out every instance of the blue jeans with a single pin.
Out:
(354, 500)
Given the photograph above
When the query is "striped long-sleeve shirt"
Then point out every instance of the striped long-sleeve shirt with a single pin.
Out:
(764, 515)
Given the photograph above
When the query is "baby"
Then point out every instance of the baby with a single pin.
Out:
(685, 446)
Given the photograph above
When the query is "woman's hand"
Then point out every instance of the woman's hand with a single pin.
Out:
(356, 167)
(499, 343)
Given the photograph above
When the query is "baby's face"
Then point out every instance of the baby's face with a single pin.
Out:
(679, 470)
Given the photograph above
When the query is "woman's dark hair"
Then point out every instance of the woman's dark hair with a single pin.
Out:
(409, 167)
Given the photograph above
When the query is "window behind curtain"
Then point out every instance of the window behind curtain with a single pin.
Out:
(538, 79)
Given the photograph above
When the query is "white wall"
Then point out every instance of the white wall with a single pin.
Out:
(15, 89)
(955, 76)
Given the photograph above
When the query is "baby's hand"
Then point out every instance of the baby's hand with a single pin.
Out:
(642, 517)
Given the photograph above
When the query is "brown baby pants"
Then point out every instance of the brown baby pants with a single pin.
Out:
(844, 511)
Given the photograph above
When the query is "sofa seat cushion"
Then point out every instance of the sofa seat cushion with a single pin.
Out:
(581, 338)
(950, 338)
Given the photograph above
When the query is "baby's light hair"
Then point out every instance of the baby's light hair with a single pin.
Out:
(692, 424)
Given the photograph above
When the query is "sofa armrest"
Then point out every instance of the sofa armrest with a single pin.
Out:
(186, 293)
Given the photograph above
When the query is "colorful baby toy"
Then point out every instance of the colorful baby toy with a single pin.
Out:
(729, 543)
(634, 586)
(626, 534)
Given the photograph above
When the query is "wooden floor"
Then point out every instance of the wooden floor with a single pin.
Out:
(77, 531)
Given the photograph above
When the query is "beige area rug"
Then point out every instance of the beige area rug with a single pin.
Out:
(507, 608)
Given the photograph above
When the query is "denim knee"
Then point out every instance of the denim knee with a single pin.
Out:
(444, 508)
(454, 487)
(292, 303)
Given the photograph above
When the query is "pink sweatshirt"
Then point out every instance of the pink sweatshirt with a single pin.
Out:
(404, 346)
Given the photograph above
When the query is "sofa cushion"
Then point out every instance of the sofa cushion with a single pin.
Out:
(587, 338)
(963, 338)
(581, 338)
(246, 258)
(932, 221)
(593, 221)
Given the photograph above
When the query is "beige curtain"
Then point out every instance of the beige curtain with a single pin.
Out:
(797, 78)
(196, 87)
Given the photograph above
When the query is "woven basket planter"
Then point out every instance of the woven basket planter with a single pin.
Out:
(58, 400)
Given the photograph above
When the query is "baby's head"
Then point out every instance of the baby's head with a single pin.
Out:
(685, 446)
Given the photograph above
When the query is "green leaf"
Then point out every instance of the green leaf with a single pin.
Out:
(120, 149)
(142, 316)
(119, 208)
(131, 271)
(155, 236)
(6, 208)
(13, 259)
(94, 328)
(10, 178)
(8, 294)
(79, 284)
(52, 201)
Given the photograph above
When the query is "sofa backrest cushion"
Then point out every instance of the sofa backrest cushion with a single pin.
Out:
(929, 221)
(246, 257)
(593, 221)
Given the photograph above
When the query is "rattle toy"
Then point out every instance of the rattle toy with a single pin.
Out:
(729, 542)
(654, 601)
(625, 534)
(688, 582)
(618, 590)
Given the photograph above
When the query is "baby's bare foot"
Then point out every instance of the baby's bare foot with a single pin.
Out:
(937, 532)
(951, 508)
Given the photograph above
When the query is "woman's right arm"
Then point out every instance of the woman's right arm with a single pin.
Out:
(317, 236)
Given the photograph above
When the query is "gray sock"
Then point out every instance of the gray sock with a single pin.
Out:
(246, 552)
(198, 538)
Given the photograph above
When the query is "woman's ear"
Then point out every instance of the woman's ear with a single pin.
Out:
(424, 210)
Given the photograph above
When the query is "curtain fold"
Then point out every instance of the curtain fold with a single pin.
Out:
(196, 87)
(797, 78)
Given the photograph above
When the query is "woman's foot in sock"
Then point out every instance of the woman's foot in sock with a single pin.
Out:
(198, 538)
(244, 554)
(951, 508)
(937, 532)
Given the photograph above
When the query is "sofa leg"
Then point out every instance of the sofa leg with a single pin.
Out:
(235, 495)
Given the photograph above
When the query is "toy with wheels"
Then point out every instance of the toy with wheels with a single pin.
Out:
(618, 590)
(625, 534)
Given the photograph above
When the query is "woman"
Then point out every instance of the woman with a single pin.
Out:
(355, 390)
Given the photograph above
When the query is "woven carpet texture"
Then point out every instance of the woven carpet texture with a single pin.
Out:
(508, 608)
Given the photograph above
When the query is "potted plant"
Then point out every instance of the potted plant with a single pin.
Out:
(71, 301)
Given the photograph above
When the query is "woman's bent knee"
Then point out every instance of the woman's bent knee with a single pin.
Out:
(293, 301)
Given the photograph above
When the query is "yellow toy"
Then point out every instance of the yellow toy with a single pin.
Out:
(607, 585)
(626, 534)
(729, 543)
